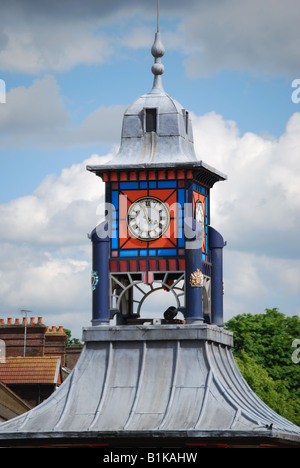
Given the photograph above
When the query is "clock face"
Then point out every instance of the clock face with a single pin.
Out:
(199, 211)
(148, 218)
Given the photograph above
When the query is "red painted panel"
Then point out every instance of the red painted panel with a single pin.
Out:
(142, 265)
(113, 266)
(162, 264)
(132, 265)
(172, 264)
(152, 265)
(123, 265)
(132, 176)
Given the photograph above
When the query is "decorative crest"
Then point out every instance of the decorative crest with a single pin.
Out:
(196, 279)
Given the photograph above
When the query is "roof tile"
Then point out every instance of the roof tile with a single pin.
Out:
(30, 370)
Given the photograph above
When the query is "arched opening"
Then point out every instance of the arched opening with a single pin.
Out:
(156, 301)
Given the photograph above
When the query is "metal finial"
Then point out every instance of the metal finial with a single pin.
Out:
(157, 51)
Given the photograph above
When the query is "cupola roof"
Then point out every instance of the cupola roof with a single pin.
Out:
(156, 128)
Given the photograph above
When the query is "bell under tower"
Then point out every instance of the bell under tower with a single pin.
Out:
(157, 233)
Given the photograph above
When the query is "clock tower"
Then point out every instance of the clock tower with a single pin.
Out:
(157, 233)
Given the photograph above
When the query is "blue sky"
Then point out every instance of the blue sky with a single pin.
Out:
(72, 68)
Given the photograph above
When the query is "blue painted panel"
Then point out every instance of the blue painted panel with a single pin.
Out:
(198, 188)
(115, 199)
(115, 240)
(167, 184)
(129, 253)
(180, 241)
(181, 197)
(164, 252)
(129, 185)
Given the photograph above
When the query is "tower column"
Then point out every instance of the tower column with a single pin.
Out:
(216, 244)
(100, 274)
(194, 232)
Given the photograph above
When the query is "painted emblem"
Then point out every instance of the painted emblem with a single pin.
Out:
(94, 279)
(196, 279)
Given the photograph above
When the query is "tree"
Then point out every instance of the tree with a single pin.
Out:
(263, 351)
(71, 340)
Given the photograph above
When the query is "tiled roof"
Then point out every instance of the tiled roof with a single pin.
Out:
(17, 370)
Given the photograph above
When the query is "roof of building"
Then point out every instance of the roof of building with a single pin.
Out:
(150, 381)
(11, 404)
(20, 370)
(170, 138)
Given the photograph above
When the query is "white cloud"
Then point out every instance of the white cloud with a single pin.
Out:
(49, 44)
(254, 36)
(37, 117)
(239, 35)
(60, 211)
(257, 212)
(257, 209)
(45, 255)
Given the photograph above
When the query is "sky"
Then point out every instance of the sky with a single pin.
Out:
(68, 70)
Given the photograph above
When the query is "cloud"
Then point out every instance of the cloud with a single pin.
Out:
(37, 117)
(36, 38)
(60, 211)
(257, 212)
(257, 209)
(45, 255)
(256, 36)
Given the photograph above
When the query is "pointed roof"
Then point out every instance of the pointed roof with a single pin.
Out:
(161, 383)
(170, 139)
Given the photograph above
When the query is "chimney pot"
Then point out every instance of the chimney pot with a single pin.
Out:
(40, 319)
(1, 321)
(17, 321)
(61, 329)
(24, 320)
(32, 320)
(9, 321)
(53, 328)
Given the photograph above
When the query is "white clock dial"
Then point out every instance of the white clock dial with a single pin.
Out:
(199, 212)
(148, 218)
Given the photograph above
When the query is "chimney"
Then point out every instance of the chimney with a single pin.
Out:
(55, 343)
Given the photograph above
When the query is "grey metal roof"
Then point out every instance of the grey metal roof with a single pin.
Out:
(153, 381)
(172, 140)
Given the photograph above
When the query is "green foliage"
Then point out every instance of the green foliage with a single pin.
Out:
(71, 340)
(263, 351)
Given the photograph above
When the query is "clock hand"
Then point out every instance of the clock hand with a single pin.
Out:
(145, 212)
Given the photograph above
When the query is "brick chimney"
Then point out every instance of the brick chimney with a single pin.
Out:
(55, 343)
(14, 336)
(39, 340)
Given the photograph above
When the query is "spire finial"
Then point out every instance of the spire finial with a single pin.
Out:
(157, 51)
